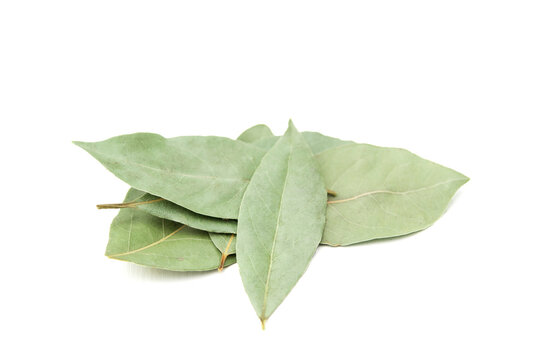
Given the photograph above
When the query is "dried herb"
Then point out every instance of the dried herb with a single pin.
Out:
(280, 223)
(382, 192)
(205, 174)
(162, 208)
(201, 203)
(144, 239)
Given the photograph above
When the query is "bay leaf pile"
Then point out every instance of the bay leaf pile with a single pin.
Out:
(267, 202)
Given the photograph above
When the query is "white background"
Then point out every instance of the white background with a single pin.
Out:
(457, 82)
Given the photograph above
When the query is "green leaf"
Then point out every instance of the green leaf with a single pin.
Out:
(207, 175)
(261, 136)
(162, 208)
(144, 239)
(317, 142)
(266, 143)
(353, 225)
(345, 230)
(280, 222)
(382, 192)
(226, 243)
(165, 209)
(255, 133)
(357, 222)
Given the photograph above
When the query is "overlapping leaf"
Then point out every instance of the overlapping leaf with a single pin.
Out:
(255, 133)
(280, 201)
(280, 222)
(205, 174)
(317, 141)
(259, 135)
(144, 239)
(226, 243)
(382, 192)
(341, 230)
(162, 208)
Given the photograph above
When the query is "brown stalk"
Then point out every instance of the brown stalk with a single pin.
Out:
(225, 253)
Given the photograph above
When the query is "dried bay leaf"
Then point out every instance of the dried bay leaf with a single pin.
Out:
(255, 133)
(165, 209)
(316, 141)
(275, 186)
(162, 208)
(382, 192)
(144, 239)
(266, 143)
(343, 228)
(280, 222)
(226, 243)
(205, 174)
(319, 142)
(349, 222)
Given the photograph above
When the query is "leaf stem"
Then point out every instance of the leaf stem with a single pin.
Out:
(132, 204)
(225, 254)
(115, 206)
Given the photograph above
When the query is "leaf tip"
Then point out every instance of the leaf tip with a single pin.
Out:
(291, 124)
(291, 130)
(81, 144)
(463, 180)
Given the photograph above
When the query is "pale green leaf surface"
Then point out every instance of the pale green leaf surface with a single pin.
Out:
(255, 133)
(319, 142)
(224, 242)
(266, 143)
(382, 192)
(316, 141)
(162, 208)
(205, 174)
(144, 239)
(280, 222)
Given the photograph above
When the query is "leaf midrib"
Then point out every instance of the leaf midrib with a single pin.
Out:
(266, 288)
(123, 159)
(149, 245)
(392, 192)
